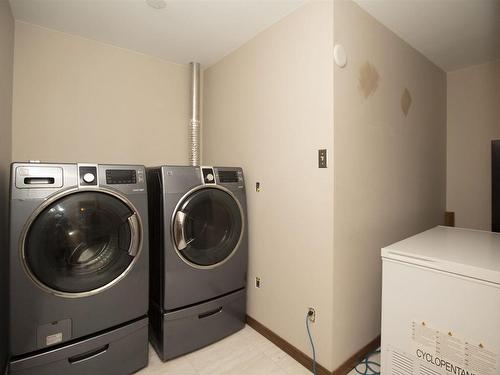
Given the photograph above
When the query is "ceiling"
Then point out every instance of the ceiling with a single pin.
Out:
(183, 31)
(451, 33)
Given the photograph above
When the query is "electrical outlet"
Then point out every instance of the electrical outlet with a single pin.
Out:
(311, 314)
(257, 282)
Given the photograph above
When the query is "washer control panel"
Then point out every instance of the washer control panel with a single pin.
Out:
(88, 175)
(121, 176)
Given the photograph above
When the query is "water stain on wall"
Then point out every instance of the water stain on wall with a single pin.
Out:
(368, 79)
(405, 101)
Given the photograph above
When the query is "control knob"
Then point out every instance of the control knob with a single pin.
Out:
(88, 178)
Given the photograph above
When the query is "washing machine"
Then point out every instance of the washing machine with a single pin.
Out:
(199, 256)
(78, 269)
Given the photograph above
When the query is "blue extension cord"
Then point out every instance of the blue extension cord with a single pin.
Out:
(368, 369)
(312, 344)
(366, 365)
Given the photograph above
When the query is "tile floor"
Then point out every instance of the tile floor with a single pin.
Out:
(244, 353)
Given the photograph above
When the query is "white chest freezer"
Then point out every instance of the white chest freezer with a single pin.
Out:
(441, 304)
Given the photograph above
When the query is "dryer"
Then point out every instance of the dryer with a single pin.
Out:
(199, 256)
(78, 268)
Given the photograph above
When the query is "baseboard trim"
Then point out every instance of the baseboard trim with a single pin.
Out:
(449, 219)
(348, 365)
(284, 345)
(304, 359)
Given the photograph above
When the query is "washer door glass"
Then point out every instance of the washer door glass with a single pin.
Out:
(81, 242)
(207, 227)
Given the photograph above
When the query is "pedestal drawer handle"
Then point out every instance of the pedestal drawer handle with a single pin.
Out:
(88, 355)
(210, 313)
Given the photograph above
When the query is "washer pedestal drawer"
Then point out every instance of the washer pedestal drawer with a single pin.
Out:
(120, 351)
(182, 331)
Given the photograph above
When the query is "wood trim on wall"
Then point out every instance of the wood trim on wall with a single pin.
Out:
(449, 219)
(304, 359)
(348, 365)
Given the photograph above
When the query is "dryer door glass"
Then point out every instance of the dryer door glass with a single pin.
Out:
(81, 242)
(207, 227)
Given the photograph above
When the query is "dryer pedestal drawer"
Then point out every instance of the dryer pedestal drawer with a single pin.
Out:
(121, 351)
(183, 331)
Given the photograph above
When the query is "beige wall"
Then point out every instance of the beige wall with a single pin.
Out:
(473, 122)
(6, 63)
(80, 100)
(389, 168)
(268, 107)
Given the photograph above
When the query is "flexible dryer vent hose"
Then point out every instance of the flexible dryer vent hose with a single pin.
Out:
(194, 124)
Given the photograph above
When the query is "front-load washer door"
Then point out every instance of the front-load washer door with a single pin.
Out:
(207, 227)
(81, 243)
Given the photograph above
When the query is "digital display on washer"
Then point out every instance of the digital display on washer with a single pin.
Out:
(121, 176)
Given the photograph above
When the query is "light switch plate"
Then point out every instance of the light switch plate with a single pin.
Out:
(322, 158)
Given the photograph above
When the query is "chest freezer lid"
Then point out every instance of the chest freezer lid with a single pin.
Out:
(465, 252)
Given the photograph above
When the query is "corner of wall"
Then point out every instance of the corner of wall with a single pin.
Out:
(268, 106)
(389, 164)
(6, 73)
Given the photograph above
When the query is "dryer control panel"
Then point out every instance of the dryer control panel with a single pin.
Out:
(222, 175)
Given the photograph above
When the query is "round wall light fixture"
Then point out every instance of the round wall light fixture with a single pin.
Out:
(340, 55)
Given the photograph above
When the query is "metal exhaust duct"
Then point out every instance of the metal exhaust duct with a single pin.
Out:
(194, 125)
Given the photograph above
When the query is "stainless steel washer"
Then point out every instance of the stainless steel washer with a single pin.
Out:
(78, 266)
